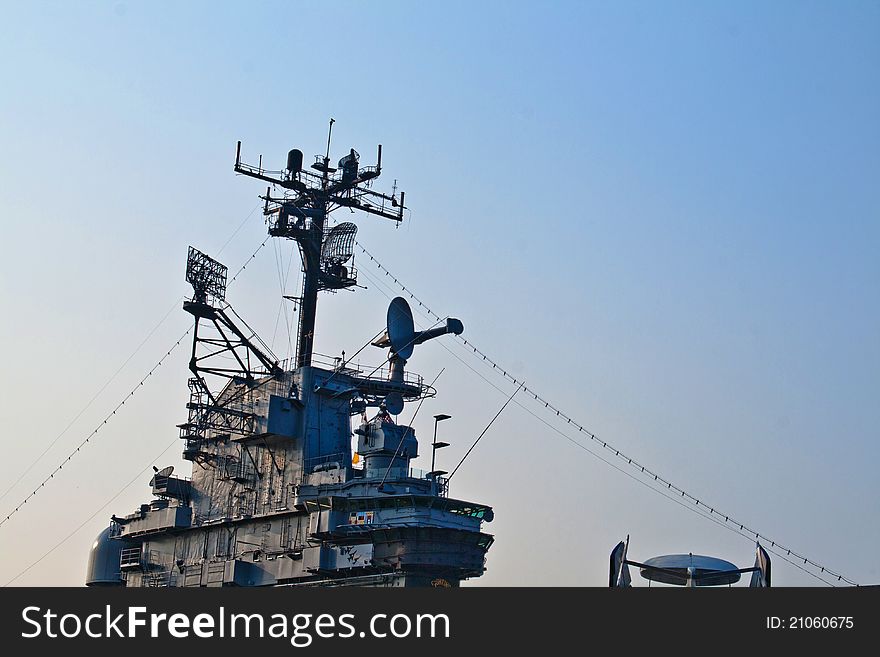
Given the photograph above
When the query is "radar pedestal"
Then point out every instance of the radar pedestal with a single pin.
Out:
(385, 446)
(689, 570)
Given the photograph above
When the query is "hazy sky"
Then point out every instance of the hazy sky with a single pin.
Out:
(663, 216)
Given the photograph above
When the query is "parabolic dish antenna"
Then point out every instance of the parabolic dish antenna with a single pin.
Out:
(165, 472)
(401, 329)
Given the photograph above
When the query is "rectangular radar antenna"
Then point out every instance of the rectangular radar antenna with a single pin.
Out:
(206, 275)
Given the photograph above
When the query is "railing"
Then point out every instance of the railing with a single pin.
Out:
(380, 373)
(441, 487)
(160, 579)
(130, 558)
(418, 473)
(236, 468)
(340, 460)
(326, 462)
(442, 483)
(250, 168)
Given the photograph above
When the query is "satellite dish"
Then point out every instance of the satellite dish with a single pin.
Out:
(401, 329)
(165, 472)
(681, 569)
(338, 245)
(394, 403)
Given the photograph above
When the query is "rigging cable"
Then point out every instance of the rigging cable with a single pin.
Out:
(91, 401)
(501, 410)
(694, 503)
(91, 517)
(282, 284)
(408, 431)
(382, 364)
(240, 226)
(94, 431)
(647, 484)
(773, 548)
(119, 405)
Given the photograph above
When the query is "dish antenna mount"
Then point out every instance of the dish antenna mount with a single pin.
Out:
(690, 570)
(401, 337)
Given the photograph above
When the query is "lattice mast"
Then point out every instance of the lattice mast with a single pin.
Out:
(223, 347)
(297, 206)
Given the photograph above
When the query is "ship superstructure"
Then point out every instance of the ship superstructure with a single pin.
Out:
(274, 497)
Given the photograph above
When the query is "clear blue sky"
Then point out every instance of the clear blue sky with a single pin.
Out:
(664, 216)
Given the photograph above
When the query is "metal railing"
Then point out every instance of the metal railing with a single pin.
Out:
(327, 462)
(130, 558)
(340, 461)
(375, 373)
(159, 579)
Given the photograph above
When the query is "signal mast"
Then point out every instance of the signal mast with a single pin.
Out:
(301, 213)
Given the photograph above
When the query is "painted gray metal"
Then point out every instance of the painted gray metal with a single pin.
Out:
(103, 568)
(274, 497)
(285, 506)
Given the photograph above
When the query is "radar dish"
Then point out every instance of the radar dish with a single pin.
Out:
(165, 472)
(401, 329)
(338, 245)
(394, 403)
(679, 568)
(206, 275)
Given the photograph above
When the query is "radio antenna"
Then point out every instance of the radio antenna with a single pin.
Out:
(329, 133)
